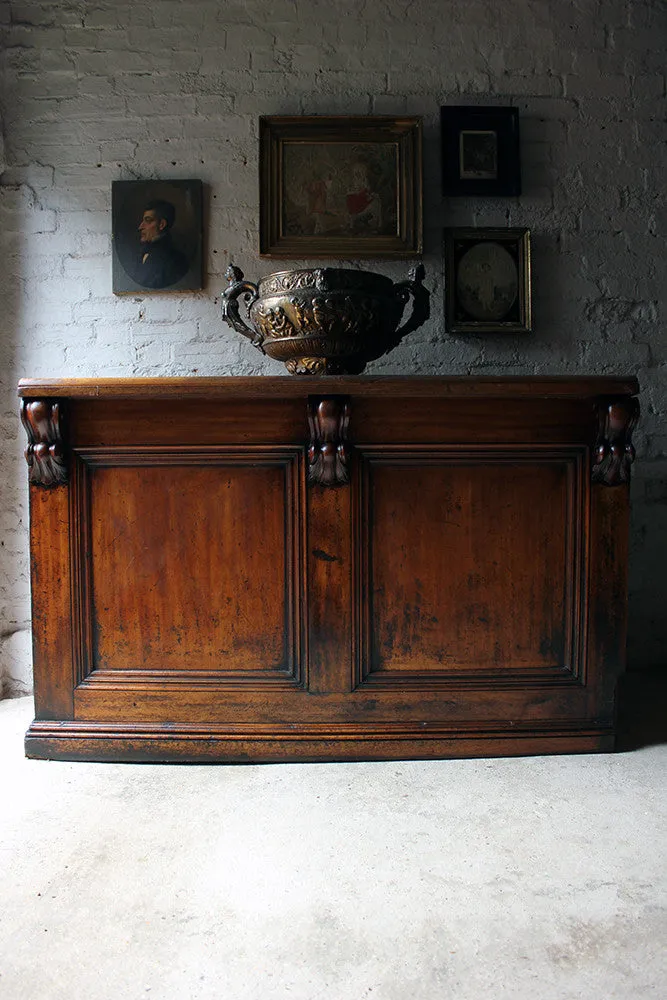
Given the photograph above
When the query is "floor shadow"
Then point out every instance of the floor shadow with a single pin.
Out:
(642, 710)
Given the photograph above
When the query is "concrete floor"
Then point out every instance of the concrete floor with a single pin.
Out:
(541, 878)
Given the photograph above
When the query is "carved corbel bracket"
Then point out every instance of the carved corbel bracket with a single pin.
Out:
(614, 452)
(329, 451)
(45, 453)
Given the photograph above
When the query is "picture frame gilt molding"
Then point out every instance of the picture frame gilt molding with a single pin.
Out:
(480, 151)
(487, 280)
(340, 186)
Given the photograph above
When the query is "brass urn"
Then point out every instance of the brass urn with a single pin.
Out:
(325, 320)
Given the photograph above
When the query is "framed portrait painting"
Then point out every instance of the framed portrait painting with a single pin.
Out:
(340, 186)
(487, 281)
(480, 151)
(156, 236)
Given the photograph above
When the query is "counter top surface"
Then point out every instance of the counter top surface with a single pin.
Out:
(285, 386)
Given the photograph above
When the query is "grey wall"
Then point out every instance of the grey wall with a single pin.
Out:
(97, 91)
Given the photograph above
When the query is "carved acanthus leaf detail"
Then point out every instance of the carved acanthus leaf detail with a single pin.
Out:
(329, 451)
(614, 452)
(45, 453)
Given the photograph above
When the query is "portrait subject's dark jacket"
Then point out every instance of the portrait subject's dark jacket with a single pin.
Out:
(160, 264)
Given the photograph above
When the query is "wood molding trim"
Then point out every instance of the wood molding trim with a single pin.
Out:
(302, 743)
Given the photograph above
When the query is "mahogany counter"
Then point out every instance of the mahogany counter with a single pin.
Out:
(265, 569)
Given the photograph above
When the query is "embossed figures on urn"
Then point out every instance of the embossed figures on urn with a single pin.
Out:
(614, 451)
(45, 455)
(324, 321)
(329, 451)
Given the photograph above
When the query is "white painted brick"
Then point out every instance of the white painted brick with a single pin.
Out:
(55, 290)
(19, 212)
(147, 105)
(231, 57)
(130, 84)
(34, 175)
(54, 153)
(214, 105)
(16, 663)
(116, 149)
(53, 85)
(151, 357)
(85, 38)
(389, 104)
(227, 81)
(115, 307)
(109, 16)
(78, 225)
(32, 13)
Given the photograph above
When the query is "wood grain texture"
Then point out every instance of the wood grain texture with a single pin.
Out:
(285, 387)
(472, 565)
(51, 582)
(330, 605)
(165, 745)
(196, 599)
(235, 522)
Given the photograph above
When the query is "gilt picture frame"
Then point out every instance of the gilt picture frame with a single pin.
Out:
(487, 281)
(157, 234)
(480, 151)
(340, 186)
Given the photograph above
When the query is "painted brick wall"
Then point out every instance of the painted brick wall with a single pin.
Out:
(97, 91)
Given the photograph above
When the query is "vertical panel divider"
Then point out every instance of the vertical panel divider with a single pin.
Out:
(330, 584)
(81, 563)
(52, 639)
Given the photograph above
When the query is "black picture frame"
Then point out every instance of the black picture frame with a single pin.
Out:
(480, 151)
(172, 260)
(487, 281)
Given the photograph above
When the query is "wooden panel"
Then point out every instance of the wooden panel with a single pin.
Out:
(194, 600)
(192, 567)
(472, 567)
(51, 607)
(188, 422)
(330, 558)
(466, 421)
(608, 606)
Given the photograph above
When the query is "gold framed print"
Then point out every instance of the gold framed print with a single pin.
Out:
(340, 186)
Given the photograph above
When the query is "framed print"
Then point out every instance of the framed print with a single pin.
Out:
(480, 151)
(340, 186)
(487, 281)
(156, 236)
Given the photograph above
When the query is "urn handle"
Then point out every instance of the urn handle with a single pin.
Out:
(249, 293)
(421, 303)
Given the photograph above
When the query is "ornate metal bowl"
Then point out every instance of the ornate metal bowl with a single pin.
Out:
(324, 321)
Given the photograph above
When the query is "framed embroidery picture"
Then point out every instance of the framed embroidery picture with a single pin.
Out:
(487, 281)
(156, 236)
(340, 186)
(480, 151)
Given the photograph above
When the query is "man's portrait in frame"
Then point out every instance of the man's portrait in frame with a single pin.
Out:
(157, 236)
